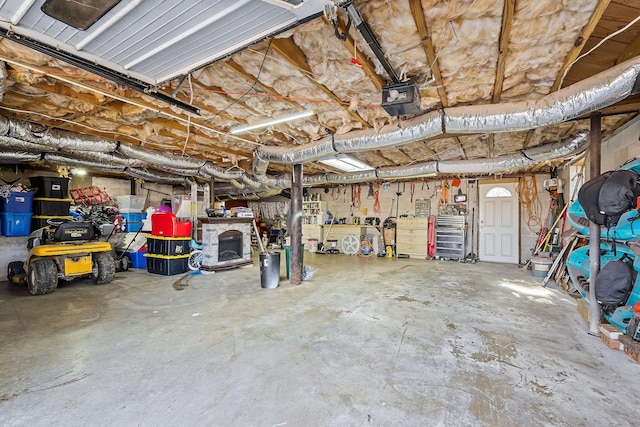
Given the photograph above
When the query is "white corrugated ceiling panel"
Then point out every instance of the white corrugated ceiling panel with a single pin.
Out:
(156, 41)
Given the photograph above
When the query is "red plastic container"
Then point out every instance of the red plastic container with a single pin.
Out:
(167, 225)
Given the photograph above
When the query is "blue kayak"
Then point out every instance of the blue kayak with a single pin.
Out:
(578, 268)
(628, 227)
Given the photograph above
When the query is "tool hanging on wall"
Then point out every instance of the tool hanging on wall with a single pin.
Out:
(355, 195)
(335, 193)
(444, 193)
(412, 189)
(376, 202)
(399, 193)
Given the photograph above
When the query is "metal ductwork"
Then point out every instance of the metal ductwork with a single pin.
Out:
(157, 157)
(65, 160)
(33, 142)
(155, 177)
(18, 156)
(587, 96)
(54, 138)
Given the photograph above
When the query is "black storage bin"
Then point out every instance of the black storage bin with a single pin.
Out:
(50, 186)
(41, 221)
(51, 207)
(169, 246)
(269, 269)
(167, 265)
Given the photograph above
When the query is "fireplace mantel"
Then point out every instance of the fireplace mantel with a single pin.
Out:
(212, 228)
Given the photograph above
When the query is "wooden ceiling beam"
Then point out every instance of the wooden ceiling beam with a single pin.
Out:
(586, 32)
(632, 50)
(296, 57)
(492, 146)
(421, 24)
(503, 50)
(100, 86)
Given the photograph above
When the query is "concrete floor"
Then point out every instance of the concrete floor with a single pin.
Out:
(369, 341)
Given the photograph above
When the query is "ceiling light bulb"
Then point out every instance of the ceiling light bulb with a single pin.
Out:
(270, 122)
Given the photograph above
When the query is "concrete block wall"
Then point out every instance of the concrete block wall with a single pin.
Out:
(621, 146)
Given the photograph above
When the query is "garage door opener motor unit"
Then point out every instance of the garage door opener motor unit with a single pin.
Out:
(401, 98)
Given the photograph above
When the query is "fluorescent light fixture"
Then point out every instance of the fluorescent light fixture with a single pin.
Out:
(282, 119)
(345, 163)
(79, 172)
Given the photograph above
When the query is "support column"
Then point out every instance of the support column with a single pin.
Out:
(212, 193)
(595, 136)
(295, 273)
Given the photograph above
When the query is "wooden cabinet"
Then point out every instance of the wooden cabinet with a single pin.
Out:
(411, 236)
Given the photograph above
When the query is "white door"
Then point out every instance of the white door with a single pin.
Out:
(498, 224)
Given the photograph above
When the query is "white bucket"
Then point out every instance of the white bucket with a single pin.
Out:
(313, 245)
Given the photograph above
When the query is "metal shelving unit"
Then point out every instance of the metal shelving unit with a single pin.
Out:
(450, 237)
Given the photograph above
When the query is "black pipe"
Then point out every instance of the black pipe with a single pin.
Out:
(368, 35)
(99, 70)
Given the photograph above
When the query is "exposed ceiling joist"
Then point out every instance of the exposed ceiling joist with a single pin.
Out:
(632, 49)
(503, 50)
(580, 42)
(296, 57)
(421, 25)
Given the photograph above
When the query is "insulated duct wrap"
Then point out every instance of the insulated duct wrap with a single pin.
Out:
(417, 129)
(59, 139)
(157, 157)
(217, 172)
(514, 162)
(351, 178)
(277, 182)
(11, 142)
(251, 181)
(61, 160)
(570, 146)
(413, 171)
(581, 98)
(299, 154)
(18, 156)
(111, 159)
(150, 176)
(502, 164)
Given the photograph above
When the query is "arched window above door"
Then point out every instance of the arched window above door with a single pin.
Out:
(498, 192)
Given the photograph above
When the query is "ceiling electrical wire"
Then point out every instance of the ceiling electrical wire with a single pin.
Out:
(264, 58)
(186, 140)
(615, 33)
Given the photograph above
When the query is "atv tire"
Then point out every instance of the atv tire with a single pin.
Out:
(42, 277)
(104, 268)
(15, 272)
